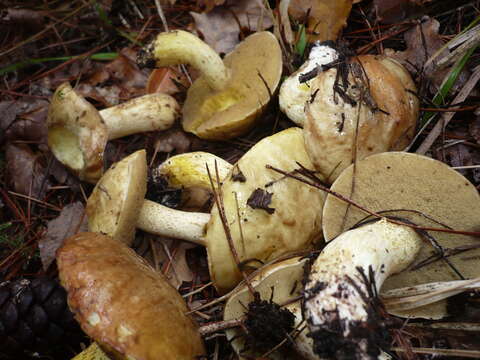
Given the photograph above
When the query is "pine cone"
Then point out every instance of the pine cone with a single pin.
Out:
(34, 316)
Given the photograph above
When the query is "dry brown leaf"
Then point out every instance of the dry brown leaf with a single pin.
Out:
(423, 40)
(70, 221)
(221, 26)
(24, 120)
(208, 5)
(170, 259)
(394, 11)
(164, 80)
(326, 18)
(173, 140)
(26, 175)
(474, 128)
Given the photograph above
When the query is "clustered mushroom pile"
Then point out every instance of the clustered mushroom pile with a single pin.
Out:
(354, 115)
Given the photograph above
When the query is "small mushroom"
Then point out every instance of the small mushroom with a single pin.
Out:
(425, 191)
(230, 94)
(126, 306)
(364, 106)
(293, 95)
(78, 133)
(267, 215)
(188, 172)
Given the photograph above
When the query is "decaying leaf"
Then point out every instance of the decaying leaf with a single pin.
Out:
(324, 18)
(474, 129)
(70, 221)
(170, 258)
(24, 120)
(173, 140)
(221, 27)
(26, 174)
(394, 11)
(165, 80)
(260, 199)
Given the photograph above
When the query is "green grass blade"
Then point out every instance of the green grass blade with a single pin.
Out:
(302, 41)
(20, 65)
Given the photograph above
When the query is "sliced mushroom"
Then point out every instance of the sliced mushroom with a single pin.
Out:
(124, 304)
(371, 108)
(426, 192)
(225, 101)
(78, 133)
(273, 216)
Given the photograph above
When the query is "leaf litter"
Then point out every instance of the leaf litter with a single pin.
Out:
(28, 168)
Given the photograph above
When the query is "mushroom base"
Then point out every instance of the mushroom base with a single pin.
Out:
(353, 325)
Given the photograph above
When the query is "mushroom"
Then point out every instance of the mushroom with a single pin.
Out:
(267, 215)
(78, 133)
(340, 291)
(188, 172)
(225, 101)
(364, 106)
(126, 306)
(425, 191)
(293, 95)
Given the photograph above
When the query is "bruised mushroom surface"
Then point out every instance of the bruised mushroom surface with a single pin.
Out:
(124, 304)
(363, 106)
(225, 101)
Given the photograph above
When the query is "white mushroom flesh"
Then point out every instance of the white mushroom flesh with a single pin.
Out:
(338, 297)
(293, 94)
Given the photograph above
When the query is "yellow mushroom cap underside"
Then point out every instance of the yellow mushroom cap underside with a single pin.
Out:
(114, 205)
(123, 303)
(254, 63)
(295, 224)
(382, 119)
(77, 135)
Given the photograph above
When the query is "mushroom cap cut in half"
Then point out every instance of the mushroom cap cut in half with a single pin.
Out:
(126, 306)
(77, 134)
(255, 70)
(268, 215)
(229, 95)
(281, 283)
(114, 206)
(425, 191)
(376, 111)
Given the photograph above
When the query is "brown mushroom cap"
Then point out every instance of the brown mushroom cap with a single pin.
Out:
(384, 107)
(398, 180)
(293, 225)
(124, 304)
(254, 64)
(77, 134)
(114, 206)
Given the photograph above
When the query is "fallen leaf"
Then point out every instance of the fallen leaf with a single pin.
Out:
(164, 80)
(25, 174)
(170, 258)
(173, 140)
(71, 220)
(474, 128)
(208, 5)
(24, 120)
(422, 41)
(394, 11)
(324, 18)
(222, 26)
(260, 199)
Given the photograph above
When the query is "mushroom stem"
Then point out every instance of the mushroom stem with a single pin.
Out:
(181, 47)
(343, 282)
(153, 112)
(164, 221)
